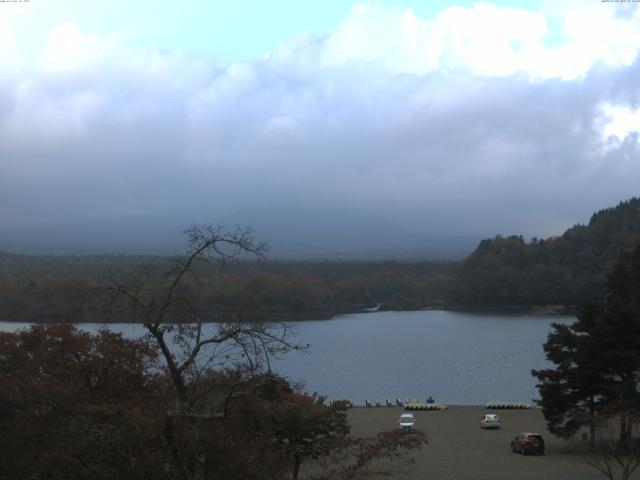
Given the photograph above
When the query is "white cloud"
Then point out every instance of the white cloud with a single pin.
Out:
(485, 40)
(10, 57)
(442, 119)
(69, 49)
(617, 122)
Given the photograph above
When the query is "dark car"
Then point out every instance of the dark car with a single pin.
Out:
(526, 443)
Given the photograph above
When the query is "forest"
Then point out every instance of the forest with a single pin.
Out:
(567, 271)
(52, 288)
(552, 275)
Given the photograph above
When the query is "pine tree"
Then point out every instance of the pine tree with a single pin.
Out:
(617, 332)
(597, 360)
(570, 393)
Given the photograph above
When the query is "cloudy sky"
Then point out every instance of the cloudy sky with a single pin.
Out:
(435, 118)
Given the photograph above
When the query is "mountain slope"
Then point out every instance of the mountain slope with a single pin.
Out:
(570, 270)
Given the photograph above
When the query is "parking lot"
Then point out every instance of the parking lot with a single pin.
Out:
(459, 449)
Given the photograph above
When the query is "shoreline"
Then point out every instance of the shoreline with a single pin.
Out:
(286, 317)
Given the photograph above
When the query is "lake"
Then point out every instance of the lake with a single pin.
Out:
(458, 358)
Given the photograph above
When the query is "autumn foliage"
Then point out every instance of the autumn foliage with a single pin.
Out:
(75, 405)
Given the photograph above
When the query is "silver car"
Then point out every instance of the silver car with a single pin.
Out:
(407, 422)
(490, 420)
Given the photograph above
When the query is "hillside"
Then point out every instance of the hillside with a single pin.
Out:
(569, 270)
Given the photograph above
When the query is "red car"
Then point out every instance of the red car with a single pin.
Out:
(528, 443)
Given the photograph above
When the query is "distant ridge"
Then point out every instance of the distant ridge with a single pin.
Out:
(566, 271)
(293, 232)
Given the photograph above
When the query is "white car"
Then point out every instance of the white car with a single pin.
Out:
(490, 420)
(407, 422)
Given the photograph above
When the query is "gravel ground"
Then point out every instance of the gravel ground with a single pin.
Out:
(459, 449)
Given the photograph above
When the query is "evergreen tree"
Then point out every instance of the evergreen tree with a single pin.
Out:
(597, 359)
(569, 393)
(617, 331)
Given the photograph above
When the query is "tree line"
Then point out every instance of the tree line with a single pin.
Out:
(46, 288)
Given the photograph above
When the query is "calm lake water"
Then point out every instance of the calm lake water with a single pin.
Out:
(458, 358)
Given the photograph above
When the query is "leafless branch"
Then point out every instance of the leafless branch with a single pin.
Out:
(613, 459)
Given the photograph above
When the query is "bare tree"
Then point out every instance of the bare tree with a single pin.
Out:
(165, 297)
(614, 461)
(614, 458)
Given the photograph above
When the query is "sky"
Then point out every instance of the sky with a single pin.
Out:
(419, 119)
